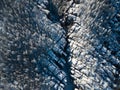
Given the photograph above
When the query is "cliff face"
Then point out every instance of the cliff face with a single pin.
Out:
(59, 44)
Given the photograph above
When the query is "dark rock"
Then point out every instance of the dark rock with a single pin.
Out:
(76, 1)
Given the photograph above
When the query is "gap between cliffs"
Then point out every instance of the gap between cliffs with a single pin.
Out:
(56, 18)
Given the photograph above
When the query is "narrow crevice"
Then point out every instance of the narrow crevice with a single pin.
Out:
(68, 21)
(55, 17)
(70, 84)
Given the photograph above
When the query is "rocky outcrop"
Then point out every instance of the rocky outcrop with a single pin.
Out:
(59, 44)
(94, 46)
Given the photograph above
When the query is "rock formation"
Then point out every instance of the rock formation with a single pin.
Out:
(59, 44)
